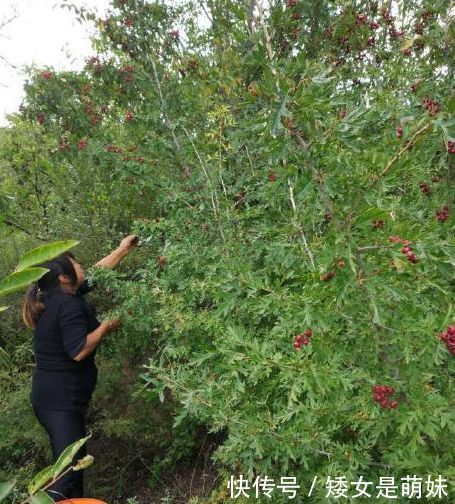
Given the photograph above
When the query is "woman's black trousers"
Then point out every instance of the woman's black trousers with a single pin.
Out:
(64, 428)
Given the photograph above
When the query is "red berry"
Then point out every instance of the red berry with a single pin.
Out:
(391, 390)
(393, 404)
(272, 176)
(451, 330)
(46, 75)
(82, 144)
(405, 250)
(384, 403)
(399, 132)
(292, 3)
(308, 332)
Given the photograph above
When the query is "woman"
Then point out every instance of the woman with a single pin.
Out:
(66, 334)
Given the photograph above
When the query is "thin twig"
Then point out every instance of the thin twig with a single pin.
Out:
(302, 234)
(166, 118)
(212, 192)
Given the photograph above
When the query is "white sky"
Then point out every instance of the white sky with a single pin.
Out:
(44, 34)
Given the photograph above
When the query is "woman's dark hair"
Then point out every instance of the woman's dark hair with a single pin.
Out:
(33, 304)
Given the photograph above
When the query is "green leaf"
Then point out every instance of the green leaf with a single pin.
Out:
(17, 281)
(3, 308)
(44, 253)
(67, 455)
(6, 488)
(40, 479)
(41, 498)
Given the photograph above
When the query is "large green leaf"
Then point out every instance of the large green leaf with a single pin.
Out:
(19, 280)
(67, 455)
(41, 498)
(41, 479)
(6, 488)
(44, 253)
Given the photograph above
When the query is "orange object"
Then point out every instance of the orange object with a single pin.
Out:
(81, 501)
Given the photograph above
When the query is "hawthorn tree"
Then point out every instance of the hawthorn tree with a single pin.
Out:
(293, 179)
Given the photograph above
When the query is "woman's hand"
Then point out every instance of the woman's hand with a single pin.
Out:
(129, 243)
(112, 325)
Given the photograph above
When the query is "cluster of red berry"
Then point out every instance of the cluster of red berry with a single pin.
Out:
(127, 71)
(448, 337)
(114, 148)
(325, 277)
(451, 147)
(46, 75)
(409, 254)
(399, 131)
(442, 214)
(413, 87)
(272, 176)
(129, 116)
(82, 144)
(128, 22)
(424, 187)
(421, 24)
(302, 339)
(430, 105)
(380, 393)
(378, 224)
(407, 249)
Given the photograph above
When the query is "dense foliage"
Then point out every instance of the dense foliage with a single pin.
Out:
(290, 172)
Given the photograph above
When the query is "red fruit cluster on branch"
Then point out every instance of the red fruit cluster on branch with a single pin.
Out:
(380, 395)
(360, 19)
(378, 224)
(82, 144)
(272, 176)
(128, 22)
(302, 339)
(129, 116)
(399, 131)
(430, 105)
(325, 277)
(442, 214)
(374, 25)
(371, 41)
(451, 147)
(386, 16)
(413, 87)
(409, 254)
(46, 75)
(113, 148)
(448, 337)
(424, 187)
